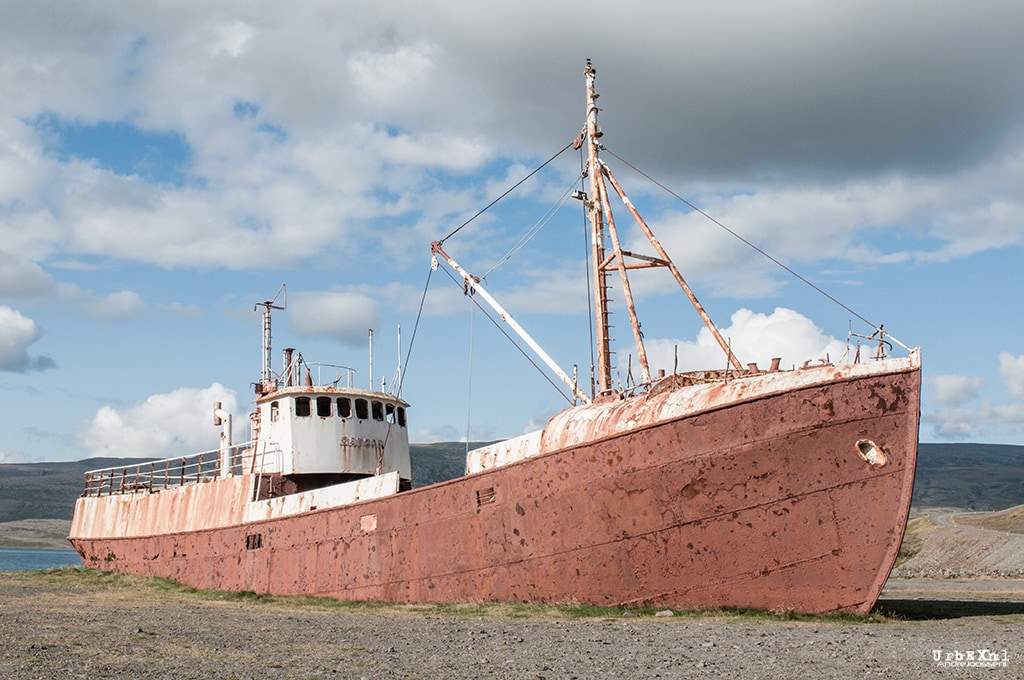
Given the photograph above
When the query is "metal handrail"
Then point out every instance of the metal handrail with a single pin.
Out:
(340, 373)
(168, 473)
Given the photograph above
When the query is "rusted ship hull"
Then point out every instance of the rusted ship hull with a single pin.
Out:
(763, 502)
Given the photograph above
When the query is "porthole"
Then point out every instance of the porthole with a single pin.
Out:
(871, 453)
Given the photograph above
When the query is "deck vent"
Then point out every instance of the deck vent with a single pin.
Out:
(254, 541)
(872, 453)
(484, 496)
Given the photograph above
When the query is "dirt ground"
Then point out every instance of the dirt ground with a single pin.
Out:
(73, 623)
(945, 544)
(954, 608)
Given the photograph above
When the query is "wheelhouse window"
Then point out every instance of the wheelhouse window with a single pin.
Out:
(302, 409)
(394, 414)
(378, 411)
(362, 409)
(323, 407)
(275, 411)
(344, 407)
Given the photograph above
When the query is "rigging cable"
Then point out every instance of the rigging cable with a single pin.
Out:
(504, 332)
(415, 326)
(534, 230)
(509, 191)
(408, 355)
(751, 245)
(423, 297)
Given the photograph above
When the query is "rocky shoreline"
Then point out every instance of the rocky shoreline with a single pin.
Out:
(73, 623)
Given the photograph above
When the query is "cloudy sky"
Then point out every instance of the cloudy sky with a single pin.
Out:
(166, 166)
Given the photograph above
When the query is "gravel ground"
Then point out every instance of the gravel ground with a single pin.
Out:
(75, 624)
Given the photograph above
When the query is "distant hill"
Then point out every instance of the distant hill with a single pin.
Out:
(967, 476)
(46, 490)
(432, 463)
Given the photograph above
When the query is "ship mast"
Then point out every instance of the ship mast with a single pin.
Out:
(596, 215)
(267, 383)
(602, 227)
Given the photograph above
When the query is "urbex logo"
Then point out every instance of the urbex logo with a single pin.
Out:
(971, 658)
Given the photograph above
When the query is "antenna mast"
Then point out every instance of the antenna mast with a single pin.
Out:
(267, 382)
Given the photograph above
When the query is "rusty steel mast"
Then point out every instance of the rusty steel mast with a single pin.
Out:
(602, 228)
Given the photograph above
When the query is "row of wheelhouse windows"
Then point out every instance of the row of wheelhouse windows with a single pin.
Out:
(344, 407)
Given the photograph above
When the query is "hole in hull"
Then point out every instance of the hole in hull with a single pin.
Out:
(872, 453)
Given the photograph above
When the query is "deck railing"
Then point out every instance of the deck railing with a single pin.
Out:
(157, 475)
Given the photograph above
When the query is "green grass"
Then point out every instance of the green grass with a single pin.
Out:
(913, 539)
(79, 577)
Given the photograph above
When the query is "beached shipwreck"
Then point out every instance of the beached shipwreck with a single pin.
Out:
(740, 487)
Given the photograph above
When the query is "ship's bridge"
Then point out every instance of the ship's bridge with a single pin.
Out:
(318, 430)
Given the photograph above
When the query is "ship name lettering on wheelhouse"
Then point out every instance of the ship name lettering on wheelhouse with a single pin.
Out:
(362, 441)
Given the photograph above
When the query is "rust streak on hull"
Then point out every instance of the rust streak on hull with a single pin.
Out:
(733, 507)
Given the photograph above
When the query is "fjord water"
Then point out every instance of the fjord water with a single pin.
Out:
(19, 559)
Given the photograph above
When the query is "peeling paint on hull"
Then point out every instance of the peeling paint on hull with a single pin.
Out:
(764, 502)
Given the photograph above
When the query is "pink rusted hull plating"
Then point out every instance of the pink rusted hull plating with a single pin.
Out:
(764, 503)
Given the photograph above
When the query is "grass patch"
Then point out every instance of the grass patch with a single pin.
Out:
(914, 537)
(144, 587)
(1010, 520)
(81, 576)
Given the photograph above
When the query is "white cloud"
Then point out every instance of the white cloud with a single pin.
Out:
(349, 103)
(388, 77)
(754, 337)
(23, 279)
(957, 424)
(17, 334)
(951, 391)
(191, 312)
(952, 415)
(986, 421)
(434, 151)
(346, 316)
(449, 433)
(114, 306)
(164, 425)
(11, 458)
(230, 38)
(1011, 370)
(841, 222)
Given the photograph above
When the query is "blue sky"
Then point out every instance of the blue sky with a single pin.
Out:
(165, 168)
